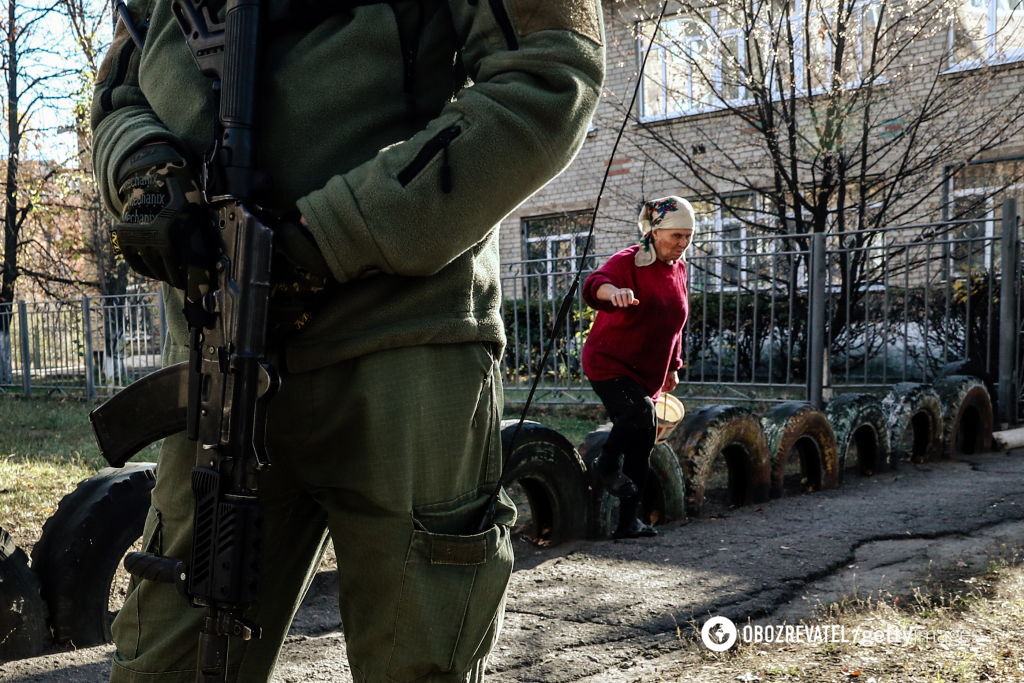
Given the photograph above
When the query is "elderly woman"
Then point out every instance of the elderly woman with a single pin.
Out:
(635, 347)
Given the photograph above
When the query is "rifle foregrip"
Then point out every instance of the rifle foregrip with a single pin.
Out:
(155, 568)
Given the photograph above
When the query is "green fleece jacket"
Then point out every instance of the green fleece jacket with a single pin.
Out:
(403, 132)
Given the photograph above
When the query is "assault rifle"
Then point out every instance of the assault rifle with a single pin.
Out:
(219, 395)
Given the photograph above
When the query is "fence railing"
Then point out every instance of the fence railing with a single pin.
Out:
(87, 347)
(774, 317)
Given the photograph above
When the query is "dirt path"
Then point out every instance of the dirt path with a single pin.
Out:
(609, 611)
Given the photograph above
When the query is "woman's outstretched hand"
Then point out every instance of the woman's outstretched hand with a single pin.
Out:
(620, 297)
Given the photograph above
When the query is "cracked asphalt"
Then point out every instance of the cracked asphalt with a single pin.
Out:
(609, 610)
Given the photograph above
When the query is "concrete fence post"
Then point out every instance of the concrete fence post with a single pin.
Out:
(816, 323)
(90, 383)
(26, 356)
(1008, 321)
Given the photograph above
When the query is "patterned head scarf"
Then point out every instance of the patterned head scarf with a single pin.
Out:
(667, 213)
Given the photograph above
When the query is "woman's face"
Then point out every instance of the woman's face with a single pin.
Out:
(669, 245)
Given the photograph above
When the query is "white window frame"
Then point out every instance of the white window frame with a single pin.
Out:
(662, 52)
(992, 55)
(715, 226)
(550, 275)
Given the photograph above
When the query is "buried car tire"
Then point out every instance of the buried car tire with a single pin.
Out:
(547, 480)
(967, 415)
(797, 433)
(664, 498)
(81, 549)
(23, 627)
(730, 433)
(914, 414)
(859, 422)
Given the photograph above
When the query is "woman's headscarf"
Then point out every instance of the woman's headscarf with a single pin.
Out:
(667, 213)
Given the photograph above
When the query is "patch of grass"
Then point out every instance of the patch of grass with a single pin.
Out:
(573, 429)
(955, 628)
(572, 423)
(30, 491)
(47, 429)
(46, 448)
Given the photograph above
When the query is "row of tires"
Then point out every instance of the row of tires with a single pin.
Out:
(725, 454)
(69, 590)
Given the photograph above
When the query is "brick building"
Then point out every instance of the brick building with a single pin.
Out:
(955, 94)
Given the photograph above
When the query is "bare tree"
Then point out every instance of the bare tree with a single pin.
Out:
(33, 71)
(851, 109)
(89, 23)
(838, 116)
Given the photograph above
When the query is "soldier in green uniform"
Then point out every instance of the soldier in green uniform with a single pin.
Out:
(394, 137)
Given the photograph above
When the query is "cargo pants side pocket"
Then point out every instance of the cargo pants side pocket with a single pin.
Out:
(453, 593)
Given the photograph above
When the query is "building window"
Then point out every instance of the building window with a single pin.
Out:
(976, 195)
(694, 65)
(700, 62)
(551, 247)
(725, 251)
(986, 32)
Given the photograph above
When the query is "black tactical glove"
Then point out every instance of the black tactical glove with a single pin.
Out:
(163, 229)
(297, 257)
(299, 277)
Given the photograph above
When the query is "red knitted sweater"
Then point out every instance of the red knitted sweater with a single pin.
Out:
(643, 342)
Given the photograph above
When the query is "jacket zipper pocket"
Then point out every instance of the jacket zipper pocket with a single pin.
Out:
(436, 145)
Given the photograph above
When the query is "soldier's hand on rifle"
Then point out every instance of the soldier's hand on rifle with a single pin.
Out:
(298, 260)
(298, 274)
(163, 229)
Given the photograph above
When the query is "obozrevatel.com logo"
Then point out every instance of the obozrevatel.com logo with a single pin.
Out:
(718, 634)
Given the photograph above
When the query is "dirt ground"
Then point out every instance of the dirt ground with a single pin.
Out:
(904, 576)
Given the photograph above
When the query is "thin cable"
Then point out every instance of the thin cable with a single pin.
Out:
(563, 310)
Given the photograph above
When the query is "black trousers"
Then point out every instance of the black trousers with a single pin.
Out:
(634, 428)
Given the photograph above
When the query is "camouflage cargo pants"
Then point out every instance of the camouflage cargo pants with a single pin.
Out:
(392, 454)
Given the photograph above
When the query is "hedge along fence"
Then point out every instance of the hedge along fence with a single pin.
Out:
(528, 325)
(897, 335)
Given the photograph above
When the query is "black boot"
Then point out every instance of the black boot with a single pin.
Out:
(629, 524)
(612, 478)
(634, 528)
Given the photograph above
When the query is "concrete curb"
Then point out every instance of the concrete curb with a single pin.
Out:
(1007, 439)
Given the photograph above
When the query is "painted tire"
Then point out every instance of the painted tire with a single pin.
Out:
(82, 546)
(972, 368)
(967, 415)
(724, 432)
(859, 421)
(664, 498)
(548, 482)
(797, 432)
(913, 410)
(23, 626)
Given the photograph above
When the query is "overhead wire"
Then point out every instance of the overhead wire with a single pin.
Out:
(570, 295)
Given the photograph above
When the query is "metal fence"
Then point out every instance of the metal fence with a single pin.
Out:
(774, 317)
(87, 347)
